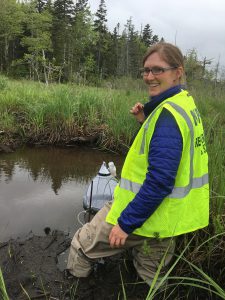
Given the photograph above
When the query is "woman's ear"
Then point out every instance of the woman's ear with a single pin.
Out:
(180, 72)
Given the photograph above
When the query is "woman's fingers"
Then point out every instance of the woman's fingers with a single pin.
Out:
(138, 107)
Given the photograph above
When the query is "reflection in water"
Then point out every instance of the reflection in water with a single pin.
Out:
(43, 187)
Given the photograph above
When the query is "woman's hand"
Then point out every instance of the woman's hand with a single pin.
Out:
(138, 112)
(117, 237)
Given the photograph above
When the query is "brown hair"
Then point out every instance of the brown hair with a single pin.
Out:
(169, 53)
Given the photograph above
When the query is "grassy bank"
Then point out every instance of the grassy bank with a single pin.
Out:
(58, 114)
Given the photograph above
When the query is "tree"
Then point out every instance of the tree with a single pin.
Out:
(102, 39)
(63, 14)
(131, 51)
(41, 4)
(83, 40)
(112, 62)
(11, 19)
(147, 35)
(38, 43)
(81, 6)
(193, 66)
(101, 21)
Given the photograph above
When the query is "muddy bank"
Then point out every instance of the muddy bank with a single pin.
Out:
(11, 145)
(10, 142)
(6, 148)
(31, 265)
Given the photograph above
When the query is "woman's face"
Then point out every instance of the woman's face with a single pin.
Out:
(160, 82)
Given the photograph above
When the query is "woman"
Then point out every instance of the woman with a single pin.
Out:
(163, 191)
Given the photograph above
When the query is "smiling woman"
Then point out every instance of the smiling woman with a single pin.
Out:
(166, 67)
(161, 179)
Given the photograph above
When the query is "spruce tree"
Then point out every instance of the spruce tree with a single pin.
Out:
(41, 4)
(102, 40)
(64, 10)
(100, 20)
(80, 6)
(83, 41)
(147, 35)
(112, 61)
(63, 14)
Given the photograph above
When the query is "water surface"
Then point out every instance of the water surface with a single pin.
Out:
(44, 187)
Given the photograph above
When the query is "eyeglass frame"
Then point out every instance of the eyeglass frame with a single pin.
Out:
(145, 71)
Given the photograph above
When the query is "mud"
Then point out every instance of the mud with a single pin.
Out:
(6, 149)
(12, 144)
(30, 268)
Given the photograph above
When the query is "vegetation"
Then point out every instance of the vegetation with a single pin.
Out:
(63, 41)
(60, 41)
(61, 113)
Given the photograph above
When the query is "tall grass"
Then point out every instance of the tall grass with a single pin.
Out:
(61, 112)
(3, 292)
(189, 283)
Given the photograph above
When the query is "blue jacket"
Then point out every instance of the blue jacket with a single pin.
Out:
(164, 157)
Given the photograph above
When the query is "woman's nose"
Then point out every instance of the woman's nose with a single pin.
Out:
(150, 75)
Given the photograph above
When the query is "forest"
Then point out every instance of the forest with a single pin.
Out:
(63, 41)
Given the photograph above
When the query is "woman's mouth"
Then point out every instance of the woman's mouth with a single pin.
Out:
(152, 85)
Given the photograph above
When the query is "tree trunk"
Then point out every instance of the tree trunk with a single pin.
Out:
(44, 66)
(6, 54)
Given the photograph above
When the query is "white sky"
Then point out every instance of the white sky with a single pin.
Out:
(198, 24)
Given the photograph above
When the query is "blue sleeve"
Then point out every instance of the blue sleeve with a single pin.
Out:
(164, 157)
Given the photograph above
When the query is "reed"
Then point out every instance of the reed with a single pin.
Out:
(3, 292)
(61, 112)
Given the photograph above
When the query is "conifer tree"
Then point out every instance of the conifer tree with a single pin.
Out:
(100, 28)
(112, 62)
(131, 51)
(83, 41)
(41, 4)
(80, 6)
(147, 35)
(63, 14)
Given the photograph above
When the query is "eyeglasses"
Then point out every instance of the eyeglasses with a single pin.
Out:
(155, 70)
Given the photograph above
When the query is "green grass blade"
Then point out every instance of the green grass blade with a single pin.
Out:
(123, 288)
(25, 292)
(3, 292)
(209, 279)
(153, 291)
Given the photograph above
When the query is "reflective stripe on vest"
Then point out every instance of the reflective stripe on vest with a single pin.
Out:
(178, 192)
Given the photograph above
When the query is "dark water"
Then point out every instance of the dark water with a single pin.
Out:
(44, 187)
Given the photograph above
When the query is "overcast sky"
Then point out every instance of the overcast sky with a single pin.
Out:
(198, 24)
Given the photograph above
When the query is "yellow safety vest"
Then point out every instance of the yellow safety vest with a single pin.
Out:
(187, 208)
